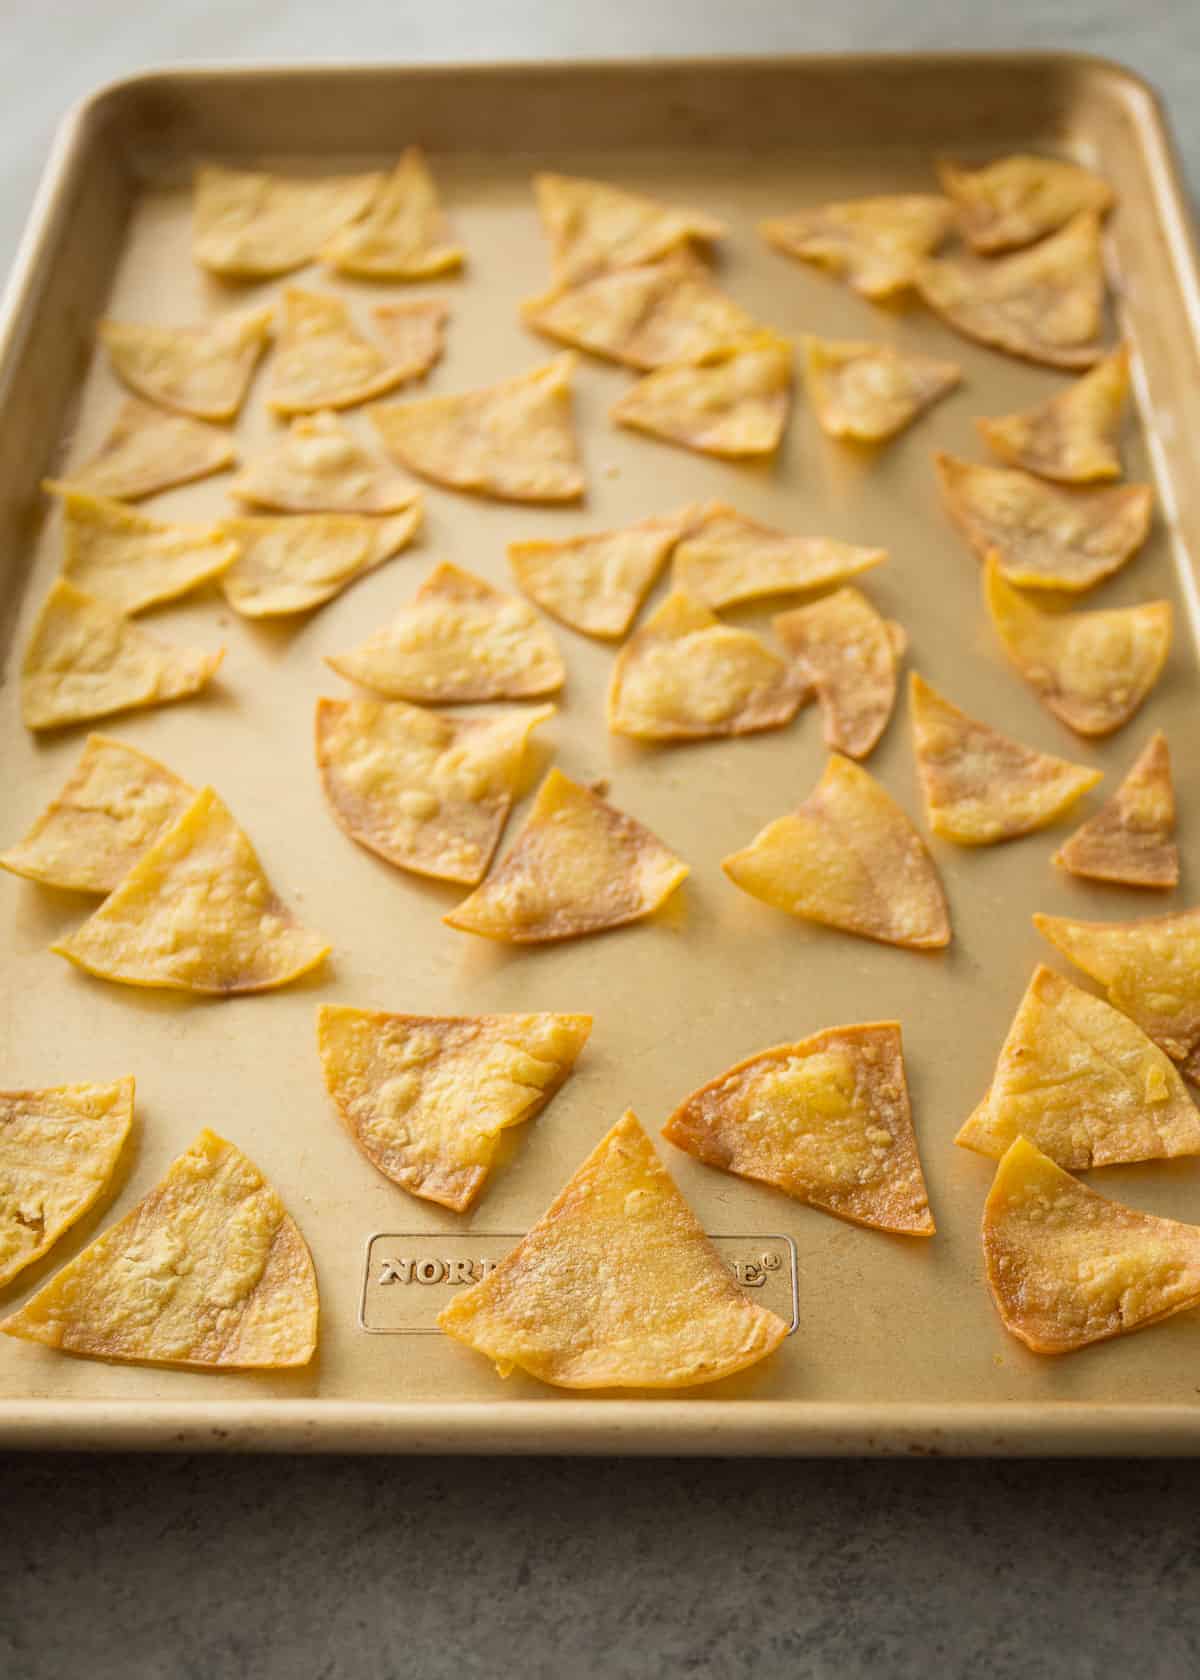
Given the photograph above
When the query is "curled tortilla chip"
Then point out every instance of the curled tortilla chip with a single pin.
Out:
(733, 404)
(827, 1120)
(1084, 1083)
(208, 1271)
(1091, 669)
(428, 793)
(202, 371)
(1067, 1266)
(849, 653)
(85, 659)
(322, 361)
(115, 803)
(616, 1286)
(872, 391)
(58, 1150)
(196, 913)
(1129, 840)
(1072, 436)
(118, 555)
(1018, 199)
(596, 583)
(725, 558)
(848, 857)
(593, 227)
(458, 640)
(403, 234)
(148, 450)
(293, 564)
(248, 225)
(425, 1097)
(319, 466)
(875, 243)
(578, 866)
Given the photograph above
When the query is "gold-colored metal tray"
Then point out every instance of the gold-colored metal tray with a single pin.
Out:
(898, 1347)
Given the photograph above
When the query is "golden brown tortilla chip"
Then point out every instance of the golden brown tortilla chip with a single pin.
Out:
(872, 391)
(1072, 436)
(849, 653)
(876, 244)
(319, 466)
(1018, 199)
(725, 558)
(149, 450)
(248, 225)
(735, 403)
(322, 361)
(1129, 839)
(593, 227)
(403, 234)
(203, 371)
(298, 562)
(596, 583)
(116, 554)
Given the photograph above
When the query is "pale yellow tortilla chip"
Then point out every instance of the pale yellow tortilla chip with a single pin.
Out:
(149, 450)
(204, 371)
(849, 653)
(725, 558)
(593, 227)
(59, 1149)
(577, 866)
(403, 234)
(1072, 436)
(1129, 840)
(848, 857)
(513, 441)
(1044, 537)
(616, 1286)
(1066, 1266)
(319, 466)
(425, 1097)
(1018, 199)
(1091, 669)
(295, 563)
(196, 913)
(86, 659)
(322, 361)
(124, 557)
(870, 392)
(1084, 1083)
(876, 244)
(208, 1271)
(735, 403)
(115, 803)
(428, 793)
(827, 1120)
(248, 225)
(596, 583)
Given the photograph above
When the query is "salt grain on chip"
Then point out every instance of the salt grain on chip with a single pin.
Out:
(124, 557)
(403, 234)
(204, 371)
(876, 244)
(596, 583)
(1072, 436)
(319, 466)
(149, 450)
(1129, 840)
(322, 361)
(849, 653)
(593, 227)
(724, 558)
(298, 562)
(870, 392)
(250, 225)
(733, 404)
(1019, 199)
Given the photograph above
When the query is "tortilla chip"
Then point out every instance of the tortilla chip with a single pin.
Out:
(848, 857)
(849, 654)
(513, 440)
(826, 1120)
(208, 1271)
(322, 361)
(319, 466)
(1043, 537)
(458, 640)
(149, 450)
(203, 371)
(1019, 199)
(124, 557)
(115, 803)
(733, 404)
(248, 225)
(425, 1097)
(85, 659)
(1083, 1083)
(196, 913)
(403, 235)
(1044, 305)
(872, 391)
(1129, 839)
(725, 558)
(577, 866)
(293, 564)
(593, 227)
(58, 1150)
(1072, 436)
(1091, 669)
(596, 583)
(616, 1286)
(1067, 1267)
(428, 793)
(876, 244)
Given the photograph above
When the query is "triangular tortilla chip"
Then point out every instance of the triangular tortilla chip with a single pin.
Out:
(114, 804)
(1044, 537)
(725, 557)
(1073, 435)
(300, 561)
(596, 583)
(592, 226)
(428, 793)
(1044, 305)
(86, 659)
(872, 391)
(319, 466)
(203, 371)
(425, 1097)
(827, 1120)
(1018, 199)
(208, 1271)
(513, 440)
(196, 913)
(733, 404)
(58, 1150)
(578, 866)
(1129, 839)
(1067, 1266)
(458, 640)
(403, 235)
(1091, 669)
(875, 243)
(685, 676)
(848, 857)
(248, 225)
(125, 557)
(981, 786)
(149, 450)
(849, 653)
(322, 361)
(616, 1286)
(1084, 1083)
